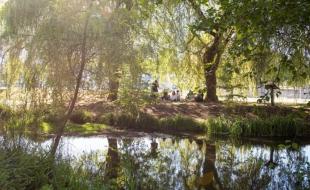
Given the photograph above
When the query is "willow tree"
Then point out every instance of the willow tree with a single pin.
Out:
(117, 48)
(242, 30)
(215, 22)
(276, 37)
(194, 21)
(56, 41)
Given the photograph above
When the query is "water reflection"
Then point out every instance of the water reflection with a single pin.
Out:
(112, 160)
(158, 163)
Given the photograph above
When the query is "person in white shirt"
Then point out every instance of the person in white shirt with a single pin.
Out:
(173, 96)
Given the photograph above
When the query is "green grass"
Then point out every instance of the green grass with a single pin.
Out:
(87, 128)
(182, 123)
(275, 126)
(26, 168)
(260, 125)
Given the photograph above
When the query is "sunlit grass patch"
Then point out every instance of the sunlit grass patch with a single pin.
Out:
(87, 128)
(46, 127)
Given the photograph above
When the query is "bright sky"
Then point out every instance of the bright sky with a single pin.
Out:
(2, 1)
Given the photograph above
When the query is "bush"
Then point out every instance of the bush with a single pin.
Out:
(5, 112)
(81, 117)
(125, 120)
(182, 123)
(147, 121)
(218, 126)
(108, 119)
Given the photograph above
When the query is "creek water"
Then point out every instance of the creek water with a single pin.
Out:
(182, 163)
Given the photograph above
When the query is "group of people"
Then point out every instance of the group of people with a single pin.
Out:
(175, 95)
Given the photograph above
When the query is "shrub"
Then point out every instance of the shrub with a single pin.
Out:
(182, 123)
(5, 112)
(147, 121)
(109, 119)
(219, 125)
(81, 117)
(125, 120)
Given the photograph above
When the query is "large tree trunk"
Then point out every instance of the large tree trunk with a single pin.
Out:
(64, 121)
(113, 88)
(113, 160)
(211, 60)
(211, 86)
(210, 67)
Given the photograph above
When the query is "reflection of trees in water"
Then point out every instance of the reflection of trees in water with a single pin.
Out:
(168, 164)
(293, 170)
(241, 171)
(112, 160)
(209, 178)
(243, 168)
(182, 164)
(154, 149)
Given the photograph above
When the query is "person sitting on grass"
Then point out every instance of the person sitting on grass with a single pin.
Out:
(190, 95)
(173, 96)
(199, 96)
(165, 96)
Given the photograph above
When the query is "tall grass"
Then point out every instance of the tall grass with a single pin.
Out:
(275, 126)
(29, 167)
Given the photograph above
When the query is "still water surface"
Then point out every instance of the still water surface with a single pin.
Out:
(170, 163)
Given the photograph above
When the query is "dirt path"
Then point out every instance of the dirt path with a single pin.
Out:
(201, 110)
(191, 109)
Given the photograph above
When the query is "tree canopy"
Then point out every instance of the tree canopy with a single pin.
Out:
(194, 44)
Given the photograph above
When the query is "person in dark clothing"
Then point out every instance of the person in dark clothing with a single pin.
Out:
(199, 96)
(190, 95)
(155, 86)
(165, 95)
(154, 89)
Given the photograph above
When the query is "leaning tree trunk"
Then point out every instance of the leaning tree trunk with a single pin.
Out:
(75, 95)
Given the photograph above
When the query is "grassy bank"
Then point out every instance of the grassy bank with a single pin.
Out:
(272, 126)
(26, 168)
(237, 122)
(275, 126)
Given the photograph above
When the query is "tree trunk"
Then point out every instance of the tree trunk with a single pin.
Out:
(113, 88)
(210, 67)
(75, 95)
(113, 160)
(272, 96)
(211, 86)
